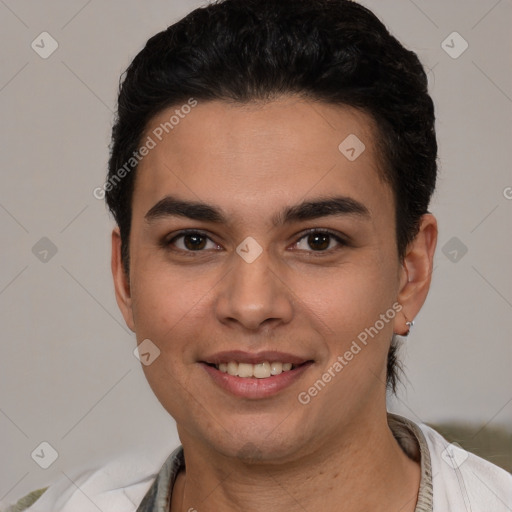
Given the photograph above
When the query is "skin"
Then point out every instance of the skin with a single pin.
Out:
(252, 161)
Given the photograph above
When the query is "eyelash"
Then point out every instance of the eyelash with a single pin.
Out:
(167, 244)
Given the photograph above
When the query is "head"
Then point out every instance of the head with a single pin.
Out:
(264, 114)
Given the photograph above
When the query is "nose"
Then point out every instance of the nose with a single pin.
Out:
(254, 295)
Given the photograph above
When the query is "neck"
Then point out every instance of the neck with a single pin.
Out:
(360, 470)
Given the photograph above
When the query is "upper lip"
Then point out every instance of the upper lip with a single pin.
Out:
(240, 356)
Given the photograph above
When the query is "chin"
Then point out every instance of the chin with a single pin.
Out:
(259, 441)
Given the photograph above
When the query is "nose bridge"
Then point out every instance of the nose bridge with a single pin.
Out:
(252, 294)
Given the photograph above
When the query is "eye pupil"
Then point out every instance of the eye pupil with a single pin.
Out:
(197, 241)
(319, 241)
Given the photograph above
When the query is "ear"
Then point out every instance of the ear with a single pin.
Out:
(416, 272)
(121, 281)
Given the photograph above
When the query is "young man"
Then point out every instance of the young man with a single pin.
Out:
(271, 170)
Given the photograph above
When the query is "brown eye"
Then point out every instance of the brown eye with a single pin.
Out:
(320, 241)
(192, 241)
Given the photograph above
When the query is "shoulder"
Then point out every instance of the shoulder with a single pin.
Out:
(119, 484)
(25, 502)
(463, 481)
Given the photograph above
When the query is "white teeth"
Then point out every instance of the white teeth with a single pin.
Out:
(276, 368)
(261, 370)
(245, 370)
(232, 368)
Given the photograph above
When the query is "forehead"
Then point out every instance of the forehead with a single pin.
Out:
(250, 156)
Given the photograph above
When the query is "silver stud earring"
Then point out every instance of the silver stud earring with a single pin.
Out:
(409, 324)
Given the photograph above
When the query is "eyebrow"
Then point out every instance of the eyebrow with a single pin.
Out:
(171, 206)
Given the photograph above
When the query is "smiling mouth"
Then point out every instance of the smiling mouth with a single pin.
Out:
(262, 370)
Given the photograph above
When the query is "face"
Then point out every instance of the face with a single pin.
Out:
(256, 240)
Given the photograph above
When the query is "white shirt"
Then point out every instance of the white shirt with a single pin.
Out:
(452, 480)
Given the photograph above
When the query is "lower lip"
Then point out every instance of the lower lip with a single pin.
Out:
(251, 387)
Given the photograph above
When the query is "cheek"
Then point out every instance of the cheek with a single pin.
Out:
(349, 298)
(167, 303)
(169, 309)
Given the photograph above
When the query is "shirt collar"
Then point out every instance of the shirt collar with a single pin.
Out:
(407, 433)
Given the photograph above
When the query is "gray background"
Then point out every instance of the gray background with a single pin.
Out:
(68, 373)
